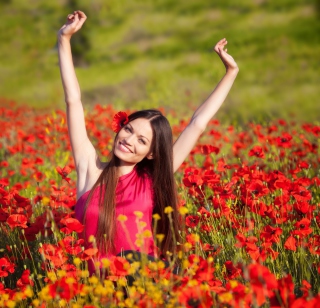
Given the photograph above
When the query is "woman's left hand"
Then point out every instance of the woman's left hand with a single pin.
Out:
(227, 60)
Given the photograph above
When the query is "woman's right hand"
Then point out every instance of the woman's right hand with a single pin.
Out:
(73, 24)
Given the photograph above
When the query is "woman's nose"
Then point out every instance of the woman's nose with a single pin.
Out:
(129, 139)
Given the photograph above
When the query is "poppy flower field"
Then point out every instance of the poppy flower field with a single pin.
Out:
(249, 201)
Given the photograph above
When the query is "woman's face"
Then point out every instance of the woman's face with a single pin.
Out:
(134, 141)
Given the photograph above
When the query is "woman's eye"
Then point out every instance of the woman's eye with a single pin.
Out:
(142, 141)
(126, 128)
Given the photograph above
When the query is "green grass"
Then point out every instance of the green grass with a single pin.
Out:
(142, 54)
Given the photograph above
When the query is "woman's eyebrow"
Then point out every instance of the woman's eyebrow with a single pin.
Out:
(139, 135)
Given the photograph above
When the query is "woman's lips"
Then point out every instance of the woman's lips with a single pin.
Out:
(123, 148)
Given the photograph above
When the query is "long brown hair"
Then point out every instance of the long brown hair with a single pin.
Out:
(160, 169)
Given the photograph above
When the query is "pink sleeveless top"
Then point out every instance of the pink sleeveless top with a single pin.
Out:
(133, 193)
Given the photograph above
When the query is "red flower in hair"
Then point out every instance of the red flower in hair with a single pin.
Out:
(119, 120)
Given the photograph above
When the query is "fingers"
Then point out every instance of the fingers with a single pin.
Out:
(81, 14)
(220, 45)
(76, 20)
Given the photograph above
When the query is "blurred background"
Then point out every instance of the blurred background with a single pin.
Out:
(158, 53)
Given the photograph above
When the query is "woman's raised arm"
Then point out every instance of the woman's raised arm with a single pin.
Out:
(82, 148)
(198, 123)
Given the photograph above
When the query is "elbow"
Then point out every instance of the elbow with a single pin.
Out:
(72, 101)
(197, 125)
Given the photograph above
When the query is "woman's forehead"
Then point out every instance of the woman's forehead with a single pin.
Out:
(142, 127)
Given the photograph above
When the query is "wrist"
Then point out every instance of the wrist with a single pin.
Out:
(232, 70)
(63, 37)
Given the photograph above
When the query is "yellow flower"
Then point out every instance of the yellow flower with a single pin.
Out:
(168, 210)
(138, 214)
(122, 217)
(86, 290)
(119, 295)
(156, 216)
(77, 261)
(92, 239)
(129, 302)
(161, 265)
(108, 283)
(160, 237)
(138, 243)
(100, 290)
(233, 283)
(142, 224)
(10, 304)
(45, 200)
(17, 297)
(93, 280)
(141, 290)
(28, 292)
(193, 282)
(70, 280)
(84, 274)
(183, 210)
(44, 294)
(61, 273)
(62, 303)
(165, 282)
(105, 263)
(52, 276)
(225, 297)
(195, 237)
(147, 234)
(185, 264)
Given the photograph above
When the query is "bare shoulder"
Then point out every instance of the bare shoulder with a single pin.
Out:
(88, 174)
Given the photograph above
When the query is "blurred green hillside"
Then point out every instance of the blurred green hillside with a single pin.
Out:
(153, 53)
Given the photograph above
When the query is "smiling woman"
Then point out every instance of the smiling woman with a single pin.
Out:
(134, 139)
(118, 200)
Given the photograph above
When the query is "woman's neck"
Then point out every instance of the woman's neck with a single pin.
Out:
(125, 169)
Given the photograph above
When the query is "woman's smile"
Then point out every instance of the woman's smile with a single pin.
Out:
(123, 148)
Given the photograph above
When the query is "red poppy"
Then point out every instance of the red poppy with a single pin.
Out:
(192, 177)
(64, 172)
(73, 224)
(6, 267)
(263, 282)
(17, 220)
(286, 292)
(302, 228)
(71, 245)
(284, 141)
(291, 243)
(195, 297)
(54, 254)
(232, 271)
(257, 151)
(119, 266)
(119, 120)
(257, 189)
(25, 280)
(271, 234)
(208, 149)
(192, 221)
(89, 253)
(65, 288)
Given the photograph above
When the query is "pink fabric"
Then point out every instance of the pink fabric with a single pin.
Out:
(133, 193)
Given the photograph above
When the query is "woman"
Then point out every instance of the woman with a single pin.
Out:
(138, 179)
